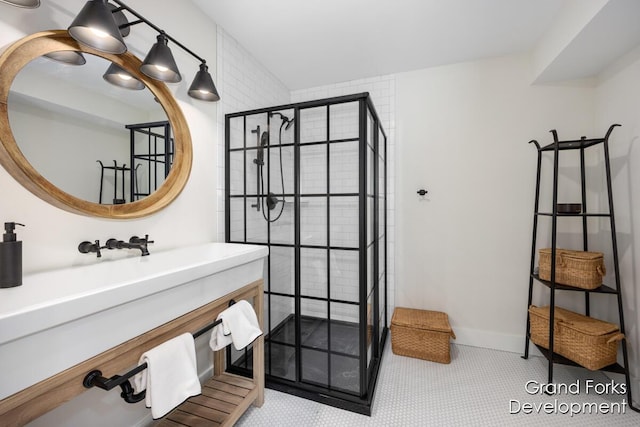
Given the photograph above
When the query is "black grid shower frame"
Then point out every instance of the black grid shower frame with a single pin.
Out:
(152, 157)
(245, 196)
(363, 243)
(373, 139)
(381, 147)
(368, 374)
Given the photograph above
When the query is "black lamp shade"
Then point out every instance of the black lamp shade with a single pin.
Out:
(27, 4)
(202, 87)
(70, 57)
(119, 77)
(96, 27)
(159, 63)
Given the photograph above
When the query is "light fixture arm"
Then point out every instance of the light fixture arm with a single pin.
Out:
(128, 24)
(149, 23)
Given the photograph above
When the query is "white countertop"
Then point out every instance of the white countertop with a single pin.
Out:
(55, 297)
(60, 318)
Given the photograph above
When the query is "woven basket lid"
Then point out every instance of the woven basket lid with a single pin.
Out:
(421, 319)
(578, 322)
(569, 253)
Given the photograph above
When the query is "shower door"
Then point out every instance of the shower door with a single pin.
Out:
(308, 180)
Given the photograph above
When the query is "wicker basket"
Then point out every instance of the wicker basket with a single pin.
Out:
(580, 269)
(422, 334)
(589, 342)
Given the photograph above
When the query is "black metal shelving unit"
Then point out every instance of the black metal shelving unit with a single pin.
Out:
(555, 148)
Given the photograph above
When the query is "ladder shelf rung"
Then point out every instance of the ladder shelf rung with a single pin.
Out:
(603, 289)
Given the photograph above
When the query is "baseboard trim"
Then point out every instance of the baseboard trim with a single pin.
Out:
(493, 341)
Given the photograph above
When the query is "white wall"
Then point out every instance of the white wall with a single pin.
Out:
(243, 84)
(462, 133)
(382, 90)
(51, 235)
(617, 100)
(48, 146)
(571, 20)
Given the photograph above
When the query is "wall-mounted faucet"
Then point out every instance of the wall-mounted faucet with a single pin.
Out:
(135, 242)
(88, 247)
(140, 243)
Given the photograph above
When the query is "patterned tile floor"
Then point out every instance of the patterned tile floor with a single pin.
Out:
(480, 387)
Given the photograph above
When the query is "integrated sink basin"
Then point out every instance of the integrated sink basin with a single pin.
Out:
(59, 318)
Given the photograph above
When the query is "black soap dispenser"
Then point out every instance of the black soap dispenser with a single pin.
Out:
(10, 257)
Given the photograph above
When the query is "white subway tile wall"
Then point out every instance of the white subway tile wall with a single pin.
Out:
(313, 123)
(343, 178)
(313, 169)
(343, 161)
(313, 221)
(344, 273)
(344, 222)
(245, 84)
(313, 274)
(282, 270)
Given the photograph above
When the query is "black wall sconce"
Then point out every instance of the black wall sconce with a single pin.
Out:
(103, 26)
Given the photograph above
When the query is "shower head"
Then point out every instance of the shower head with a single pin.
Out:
(290, 122)
(285, 120)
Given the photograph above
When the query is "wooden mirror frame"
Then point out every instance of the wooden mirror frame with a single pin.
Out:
(19, 54)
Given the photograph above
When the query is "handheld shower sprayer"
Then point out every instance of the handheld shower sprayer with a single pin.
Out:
(262, 142)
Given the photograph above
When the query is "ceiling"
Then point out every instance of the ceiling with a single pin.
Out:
(316, 42)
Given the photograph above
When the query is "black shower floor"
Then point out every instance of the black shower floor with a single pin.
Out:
(335, 368)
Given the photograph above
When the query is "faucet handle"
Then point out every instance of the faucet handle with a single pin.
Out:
(140, 240)
(87, 247)
(113, 244)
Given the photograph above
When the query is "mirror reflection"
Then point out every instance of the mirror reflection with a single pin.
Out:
(96, 141)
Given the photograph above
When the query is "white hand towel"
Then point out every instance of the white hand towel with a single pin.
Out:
(171, 375)
(218, 339)
(239, 325)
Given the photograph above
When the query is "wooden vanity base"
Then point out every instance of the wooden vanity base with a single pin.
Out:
(223, 400)
(222, 390)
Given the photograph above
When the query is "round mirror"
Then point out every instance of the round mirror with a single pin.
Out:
(83, 144)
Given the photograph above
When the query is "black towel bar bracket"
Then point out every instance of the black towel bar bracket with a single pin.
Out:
(95, 378)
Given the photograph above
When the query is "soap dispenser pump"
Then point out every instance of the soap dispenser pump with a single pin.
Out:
(10, 257)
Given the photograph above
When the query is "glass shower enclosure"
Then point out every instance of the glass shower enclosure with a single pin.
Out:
(308, 180)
